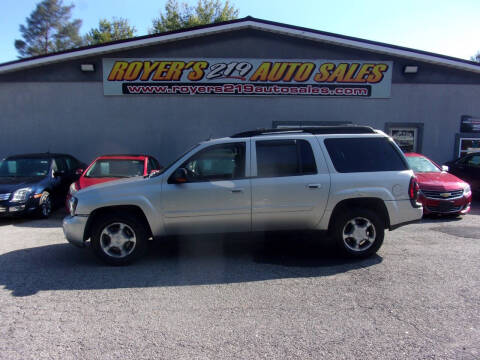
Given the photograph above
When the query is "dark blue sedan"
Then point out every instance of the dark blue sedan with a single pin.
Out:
(35, 183)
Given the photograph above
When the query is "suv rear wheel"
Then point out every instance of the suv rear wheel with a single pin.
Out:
(119, 239)
(357, 232)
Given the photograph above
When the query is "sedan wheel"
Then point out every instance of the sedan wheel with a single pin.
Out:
(45, 205)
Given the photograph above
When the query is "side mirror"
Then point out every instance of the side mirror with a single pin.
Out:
(179, 176)
(79, 172)
(445, 168)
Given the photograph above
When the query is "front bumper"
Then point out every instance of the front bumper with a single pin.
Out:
(74, 229)
(10, 209)
(459, 205)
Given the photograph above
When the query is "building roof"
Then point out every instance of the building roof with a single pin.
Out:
(239, 24)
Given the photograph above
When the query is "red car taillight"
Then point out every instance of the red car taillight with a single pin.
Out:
(413, 189)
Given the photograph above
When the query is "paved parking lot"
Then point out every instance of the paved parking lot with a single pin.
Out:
(243, 297)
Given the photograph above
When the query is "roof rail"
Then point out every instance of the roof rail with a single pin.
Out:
(340, 129)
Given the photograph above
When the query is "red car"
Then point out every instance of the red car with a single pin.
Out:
(113, 167)
(440, 192)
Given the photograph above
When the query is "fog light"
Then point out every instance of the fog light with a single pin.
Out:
(17, 208)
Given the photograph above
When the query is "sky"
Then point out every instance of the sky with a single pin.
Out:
(443, 27)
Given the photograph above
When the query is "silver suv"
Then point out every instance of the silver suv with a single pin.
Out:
(350, 180)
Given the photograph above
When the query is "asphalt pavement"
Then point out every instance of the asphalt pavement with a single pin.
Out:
(280, 296)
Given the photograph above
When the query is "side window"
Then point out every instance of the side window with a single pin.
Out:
(61, 164)
(284, 158)
(217, 162)
(474, 161)
(71, 163)
(351, 155)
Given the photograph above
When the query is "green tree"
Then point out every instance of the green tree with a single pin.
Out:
(179, 16)
(49, 29)
(476, 57)
(117, 29)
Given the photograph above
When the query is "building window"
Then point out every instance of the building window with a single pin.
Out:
(408, 136)
(468, 145)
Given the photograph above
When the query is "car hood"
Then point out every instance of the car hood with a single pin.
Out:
(131, 191)
(439, 181)
(10, 184)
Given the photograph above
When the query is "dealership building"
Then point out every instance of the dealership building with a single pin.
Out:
(161, 94)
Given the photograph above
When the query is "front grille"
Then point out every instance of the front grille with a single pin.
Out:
(442, 195)
(4, 197)
(445, 208)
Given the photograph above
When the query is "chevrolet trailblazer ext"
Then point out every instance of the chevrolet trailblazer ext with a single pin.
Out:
(350, 180)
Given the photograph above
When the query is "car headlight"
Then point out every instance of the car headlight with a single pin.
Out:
(467, 189)
(21, 194)
(72, 205)
(73, 189)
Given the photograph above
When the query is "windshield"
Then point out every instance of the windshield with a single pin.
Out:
(115, 168)
(24, 167)
(421, 164)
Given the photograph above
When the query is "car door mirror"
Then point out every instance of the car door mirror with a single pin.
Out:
(179, 176)
(445, 168)
(79, 172)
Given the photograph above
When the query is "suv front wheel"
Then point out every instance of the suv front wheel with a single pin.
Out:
(357, 232)
(119, 239)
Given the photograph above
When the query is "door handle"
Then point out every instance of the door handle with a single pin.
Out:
(239, 190)
(314, 186)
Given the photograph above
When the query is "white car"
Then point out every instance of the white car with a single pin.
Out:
(352, 181)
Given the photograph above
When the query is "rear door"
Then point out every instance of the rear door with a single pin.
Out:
(290, 183)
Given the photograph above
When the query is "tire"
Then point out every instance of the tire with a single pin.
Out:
(119, 239)
(370, 231)
(45, 205)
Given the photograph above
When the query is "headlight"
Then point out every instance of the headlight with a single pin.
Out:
(73, 188)
(72, 205)
(21, 194)
(466, 189)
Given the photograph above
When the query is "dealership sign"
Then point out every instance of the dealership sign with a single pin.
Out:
(253, 77)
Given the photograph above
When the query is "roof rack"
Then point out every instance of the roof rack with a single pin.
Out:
(340, 129)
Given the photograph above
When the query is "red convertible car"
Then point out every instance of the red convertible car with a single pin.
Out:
(113, 167)
(440, 192)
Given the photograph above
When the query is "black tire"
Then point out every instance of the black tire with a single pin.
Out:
(346, 220)
(134, 230)
(45, 205)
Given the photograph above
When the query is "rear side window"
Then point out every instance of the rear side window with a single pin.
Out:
(284, 158)
(351, 155)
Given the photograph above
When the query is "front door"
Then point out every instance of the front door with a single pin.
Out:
(216, 196)
(290, 185)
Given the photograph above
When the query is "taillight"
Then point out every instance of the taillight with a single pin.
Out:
(413, 189)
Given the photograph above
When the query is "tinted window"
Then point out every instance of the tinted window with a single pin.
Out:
(72, 164)
(24, 167)
(364, 154)
(61, 165)
(284, 158)
(217, 162)
(474, 161)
